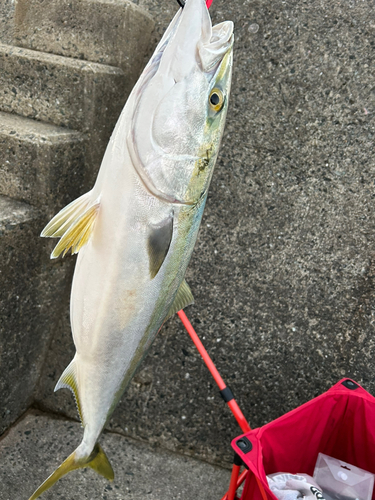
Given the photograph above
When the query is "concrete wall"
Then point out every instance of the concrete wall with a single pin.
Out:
(7, 21)
(283, 272)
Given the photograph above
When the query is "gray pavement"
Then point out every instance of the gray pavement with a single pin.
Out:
(38, 444)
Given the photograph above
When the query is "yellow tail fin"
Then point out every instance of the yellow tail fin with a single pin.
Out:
(100, 463)
(97, 460)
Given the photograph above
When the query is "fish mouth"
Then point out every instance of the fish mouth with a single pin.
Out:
(195, 40)
(190, 39)
(221, 42)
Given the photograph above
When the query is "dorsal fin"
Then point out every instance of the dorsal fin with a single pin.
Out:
(159, 240)
(183, 298)
(73, 224)
(68, 380)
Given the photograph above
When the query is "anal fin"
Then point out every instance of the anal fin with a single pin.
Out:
(68, 380)
(183, 298)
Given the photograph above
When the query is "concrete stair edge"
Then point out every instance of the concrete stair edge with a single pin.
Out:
(112, 32)
(13, 212)
(29, 281)
(40, 163)
(60, 60)
(47, 132)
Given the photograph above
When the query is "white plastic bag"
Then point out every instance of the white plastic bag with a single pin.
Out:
(287, 486)
(341, 480)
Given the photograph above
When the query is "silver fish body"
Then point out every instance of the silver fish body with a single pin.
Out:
(135, 231)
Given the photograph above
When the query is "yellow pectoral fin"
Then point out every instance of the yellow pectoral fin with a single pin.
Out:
(73, 224)
(183, 298)
(78, 234)
(65, 218)
(97, 460)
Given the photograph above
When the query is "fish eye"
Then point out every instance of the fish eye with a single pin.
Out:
(216, 99)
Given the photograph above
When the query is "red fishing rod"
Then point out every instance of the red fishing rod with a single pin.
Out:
(225, 392)
(181, 3)
(236, 479)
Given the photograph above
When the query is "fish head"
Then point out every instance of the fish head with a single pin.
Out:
(180, 105)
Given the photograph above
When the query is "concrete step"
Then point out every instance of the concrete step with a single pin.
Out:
(60, 90)
(32, 291)
(79, 95)
(7, 8)
(40, 164)
(38, 444)
(115, 32)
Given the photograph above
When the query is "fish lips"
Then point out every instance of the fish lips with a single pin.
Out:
(221, 42)
(191, 40)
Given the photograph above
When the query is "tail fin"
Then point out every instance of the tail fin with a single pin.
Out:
(97, 460)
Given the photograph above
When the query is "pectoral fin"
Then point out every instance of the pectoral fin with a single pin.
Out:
(73, 224)
(159, 240)
(183, 298)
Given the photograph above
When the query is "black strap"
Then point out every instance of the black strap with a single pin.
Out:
(349, 384)
(237, 460)
(181, 3)
(227, 394)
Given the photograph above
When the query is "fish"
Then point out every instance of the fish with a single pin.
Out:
(135, 230)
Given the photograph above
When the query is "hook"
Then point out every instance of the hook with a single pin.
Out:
(181, 3)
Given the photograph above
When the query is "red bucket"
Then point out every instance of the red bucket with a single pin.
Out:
(339, 423)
